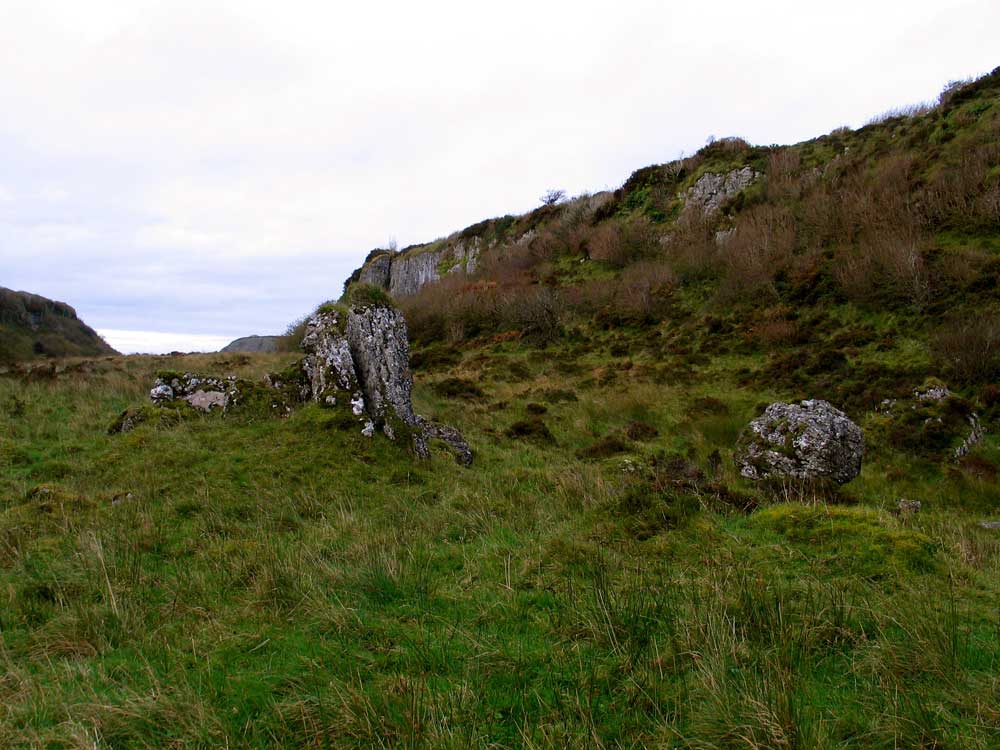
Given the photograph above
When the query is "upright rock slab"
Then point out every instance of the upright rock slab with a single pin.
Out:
(329, 368)
(380, 348)
(808, 440)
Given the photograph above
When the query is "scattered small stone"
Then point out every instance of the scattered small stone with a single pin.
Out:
(990, 524)
(908, 507)
(161, 392)
(932, 393)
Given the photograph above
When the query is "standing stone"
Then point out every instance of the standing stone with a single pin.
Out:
(376, 335)
(328, 364)
(808, 440)
(381, 351)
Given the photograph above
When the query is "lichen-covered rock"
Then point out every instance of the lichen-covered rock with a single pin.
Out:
(161, 392)
(976, 434)
(808, 440)
(380, 350)
(208, 400)
(712, 190)
(451, 437)
(331, 376)
(200, 391)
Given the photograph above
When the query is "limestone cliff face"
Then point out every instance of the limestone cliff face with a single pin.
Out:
(411, 271)
(404, 273)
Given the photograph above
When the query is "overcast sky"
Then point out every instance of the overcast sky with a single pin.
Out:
(184, 173)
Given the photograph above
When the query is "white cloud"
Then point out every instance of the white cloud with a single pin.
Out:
(186, 164)
(159, 342)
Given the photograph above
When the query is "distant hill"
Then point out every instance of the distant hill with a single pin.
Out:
(33, 326)
(254, 344)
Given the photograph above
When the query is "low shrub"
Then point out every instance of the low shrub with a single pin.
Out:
(458, 388)
(603, 448)
(533, 430)
(967, 347)
(640, 431)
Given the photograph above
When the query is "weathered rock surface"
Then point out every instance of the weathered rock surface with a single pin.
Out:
(253, 345)
(380, 348)
(378, 343)
(328, 365)
(808, 440)
(712, 190)
(356, 359)
(404, 273)
(376, 271)
(201, 392)
(409, 272)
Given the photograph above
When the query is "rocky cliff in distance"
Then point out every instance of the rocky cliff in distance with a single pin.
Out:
(33, 326)
(405, 272)
(253, 345)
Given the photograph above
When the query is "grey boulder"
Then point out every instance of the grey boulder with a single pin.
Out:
(808, 440)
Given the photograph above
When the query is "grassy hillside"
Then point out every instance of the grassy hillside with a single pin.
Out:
(32, 326)
(602, 576)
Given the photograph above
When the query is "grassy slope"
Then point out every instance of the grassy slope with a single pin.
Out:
(282, 583)
(32, 326)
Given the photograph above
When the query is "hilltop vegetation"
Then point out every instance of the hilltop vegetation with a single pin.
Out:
(602, 576)
(32, 326)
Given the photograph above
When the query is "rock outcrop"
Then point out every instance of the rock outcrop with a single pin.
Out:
(378, 342)
(712, 189)
(404, 273)
(201, 392)
(934, 423)
(253, 345)
(379, 345)
(356, 360)
(809, 440)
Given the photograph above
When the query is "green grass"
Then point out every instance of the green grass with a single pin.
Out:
(259, 583)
